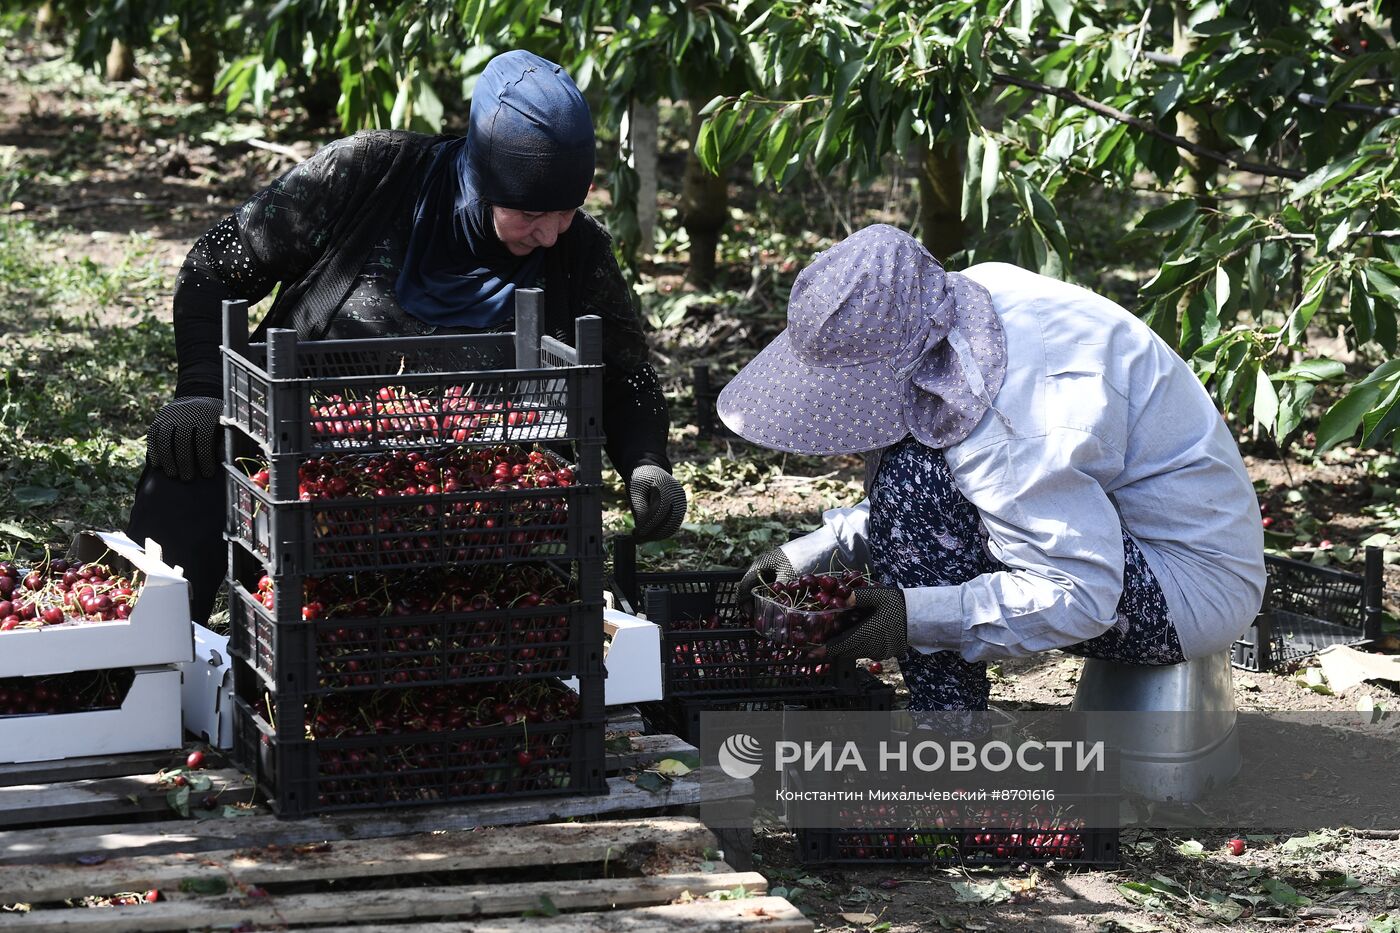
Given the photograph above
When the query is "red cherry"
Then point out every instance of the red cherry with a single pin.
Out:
(1236, 846)
(152, 896)
(195, 759)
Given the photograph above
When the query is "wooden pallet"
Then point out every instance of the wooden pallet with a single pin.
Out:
(107, 804)
(632, 875)
(108, 788)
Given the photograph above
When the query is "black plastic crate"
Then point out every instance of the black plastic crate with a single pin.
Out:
(308, 397)
(707, 647)
(706, 394)
(302, 777)
(380, 640)
(681, 717)
(351, 535)
(1308, 608)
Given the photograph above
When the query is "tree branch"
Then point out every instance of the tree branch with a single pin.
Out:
(1143, 126)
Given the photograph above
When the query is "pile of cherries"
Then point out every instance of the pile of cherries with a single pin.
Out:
(811, 610)
(77, 692)
(427, 506)
(397, 414)
(56, 592)
(485, 622)
(1043, 834)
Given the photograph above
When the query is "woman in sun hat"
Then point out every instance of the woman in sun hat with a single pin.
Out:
(395, 234)
(1042, 470)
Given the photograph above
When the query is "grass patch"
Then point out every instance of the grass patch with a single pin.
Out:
(87, 359)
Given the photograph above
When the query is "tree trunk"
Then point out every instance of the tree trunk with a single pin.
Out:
(940, 199)
(201, 53)
(121, 62)
(704, 207)
(48, 20)
(1200, 173)
(640, 143)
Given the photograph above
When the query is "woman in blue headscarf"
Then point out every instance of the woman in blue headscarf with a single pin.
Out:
(389, 233)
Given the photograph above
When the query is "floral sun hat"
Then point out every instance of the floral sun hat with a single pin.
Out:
(881, 342)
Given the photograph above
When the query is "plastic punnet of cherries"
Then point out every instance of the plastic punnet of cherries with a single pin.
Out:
(811, 610)
(59, 592)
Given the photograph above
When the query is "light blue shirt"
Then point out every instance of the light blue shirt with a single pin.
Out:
(1098, 427)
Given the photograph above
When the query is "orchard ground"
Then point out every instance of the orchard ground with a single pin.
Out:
(104, 188)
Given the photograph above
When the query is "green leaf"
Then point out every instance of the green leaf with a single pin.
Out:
(991, 165)
(1311, 371)
(1343, 418)
(988, 892)
(1168, 218)
(652, 781)
(972, 172)
(672, 768)
(1281, 892)
(1379, 422)
(1330, 175)
(1312, 299)
(15, 531)
(1191, 849)
(1265, 402)
(179, 800)
(1311, 843)
(203, 886)
(713, 105)
(31, 496)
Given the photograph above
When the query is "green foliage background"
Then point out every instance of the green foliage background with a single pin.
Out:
(1255, 140)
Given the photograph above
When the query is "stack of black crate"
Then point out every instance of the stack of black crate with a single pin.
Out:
(415, 564)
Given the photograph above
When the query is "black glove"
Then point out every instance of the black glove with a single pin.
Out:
(184, 439)
(658, 503)
(884, 633)
(770, 567)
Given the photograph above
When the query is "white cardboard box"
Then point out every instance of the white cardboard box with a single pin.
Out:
(207, 695)
(157, 632)
(148, 720)
(632, 661)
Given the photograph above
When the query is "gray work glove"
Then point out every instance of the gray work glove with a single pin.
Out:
(184, 439)
(883, 633)
(658, 503)
(770, 567)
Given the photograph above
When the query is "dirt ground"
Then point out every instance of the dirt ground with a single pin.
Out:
(159, 191)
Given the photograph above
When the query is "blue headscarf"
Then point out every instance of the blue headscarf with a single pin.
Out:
(529, 146)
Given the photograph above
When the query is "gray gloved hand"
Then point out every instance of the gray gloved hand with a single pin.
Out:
(770, 567)
(658, 503)
(884, 633)
(184, 439)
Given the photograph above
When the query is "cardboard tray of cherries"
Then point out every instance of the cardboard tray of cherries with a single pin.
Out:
(810, 610)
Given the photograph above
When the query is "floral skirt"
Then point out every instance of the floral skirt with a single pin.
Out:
(923, 532)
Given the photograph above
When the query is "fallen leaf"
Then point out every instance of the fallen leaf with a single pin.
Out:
(673, 768)
(862, 919)
(1127, 925)
(988, 892)
(1192, 849)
